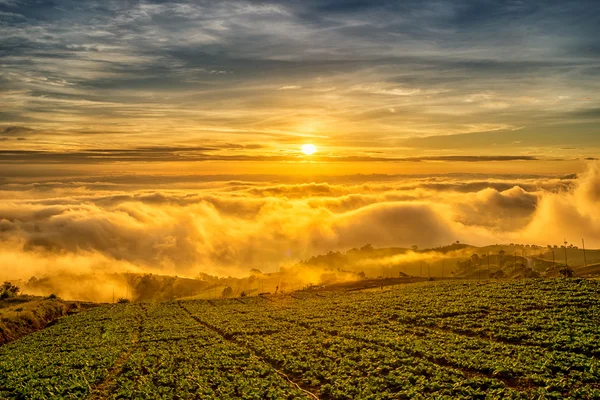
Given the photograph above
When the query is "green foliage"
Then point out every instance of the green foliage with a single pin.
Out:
(149, 287)
(64, 360)
(521, 339)
(565, 271)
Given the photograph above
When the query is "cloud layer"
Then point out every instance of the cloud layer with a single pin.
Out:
(229, 227)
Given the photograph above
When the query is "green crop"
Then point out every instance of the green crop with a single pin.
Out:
(523, 339)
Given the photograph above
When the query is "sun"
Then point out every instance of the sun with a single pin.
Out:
(309, 149)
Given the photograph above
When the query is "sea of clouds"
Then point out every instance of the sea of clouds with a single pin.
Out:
(184, 226)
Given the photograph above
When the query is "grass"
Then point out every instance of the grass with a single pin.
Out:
(22, 315)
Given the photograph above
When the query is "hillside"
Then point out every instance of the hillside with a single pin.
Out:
(428, 340)
(460, 261)
(455, 261)
(22, 315)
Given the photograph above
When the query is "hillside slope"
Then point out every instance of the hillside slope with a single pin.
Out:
(26, 314)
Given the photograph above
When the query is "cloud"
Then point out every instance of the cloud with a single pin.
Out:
(183, 233)
(587, 113)
(390, 224)
(574, 215)
(558, 135)
(11, 17)
(227, 227)
(15, 131)
(290, 87)
(502, 211)
(382, 88)
(189, 153)
(209, 69)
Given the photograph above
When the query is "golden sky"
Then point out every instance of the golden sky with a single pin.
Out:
(159, 136)
(240, 86)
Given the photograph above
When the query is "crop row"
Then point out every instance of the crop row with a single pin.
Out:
(342, 368)
(68, 359)
(381, 321)
(530, 339)
(136, 351)
(178, 358)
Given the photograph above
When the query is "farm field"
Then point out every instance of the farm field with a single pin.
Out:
(518, 339)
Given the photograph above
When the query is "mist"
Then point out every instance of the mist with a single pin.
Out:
(226, 228)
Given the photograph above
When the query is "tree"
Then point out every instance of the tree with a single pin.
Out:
(203, 276)
(500, 254)
(415, 247)
(367, 248)
(8, 289)
(566, 272)
(227, 292)
(498, 274)
(146, 288)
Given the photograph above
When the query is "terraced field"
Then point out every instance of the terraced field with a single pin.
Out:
(524, 339)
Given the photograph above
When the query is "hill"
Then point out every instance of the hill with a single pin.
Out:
(456, 261)
(460, 261)
(22, 315)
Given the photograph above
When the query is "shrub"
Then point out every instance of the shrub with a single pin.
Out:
(567, 272)
(123, 300)
(8, 289)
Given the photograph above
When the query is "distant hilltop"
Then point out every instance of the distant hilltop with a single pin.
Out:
(367, 263)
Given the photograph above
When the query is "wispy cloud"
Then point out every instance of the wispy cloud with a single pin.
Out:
(200, 69)
(290, 87)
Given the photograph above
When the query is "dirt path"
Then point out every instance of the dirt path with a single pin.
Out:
(102, 390)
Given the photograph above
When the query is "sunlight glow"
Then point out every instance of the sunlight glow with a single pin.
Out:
(309, 149)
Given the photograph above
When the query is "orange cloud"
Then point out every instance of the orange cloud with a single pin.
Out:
(226, 228)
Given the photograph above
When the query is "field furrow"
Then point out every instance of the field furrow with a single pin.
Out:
(259, 357)
(103, 389)
(519, 340)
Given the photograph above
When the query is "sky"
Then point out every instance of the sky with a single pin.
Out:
(166, 136)
(239, 86)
